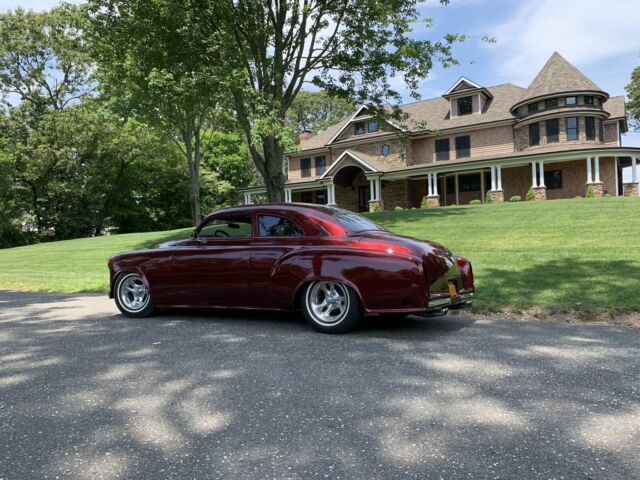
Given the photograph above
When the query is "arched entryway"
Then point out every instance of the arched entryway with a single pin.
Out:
(352, 189)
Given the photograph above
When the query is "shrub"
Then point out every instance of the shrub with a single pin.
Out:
(578, 197)
(475, 202)
(375, 207)
(516, 198)
(398, 208)
(487, 197)
(424, 203)
(531, 195)
(591, 193)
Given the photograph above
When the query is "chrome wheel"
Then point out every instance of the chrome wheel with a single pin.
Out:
(328, 302)
(132, 293)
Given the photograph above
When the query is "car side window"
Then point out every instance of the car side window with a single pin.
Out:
(274, 226)
(226, 227)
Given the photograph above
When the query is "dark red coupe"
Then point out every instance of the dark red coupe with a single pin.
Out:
(332, 264)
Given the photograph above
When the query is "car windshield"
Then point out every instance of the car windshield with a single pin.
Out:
(356, 223)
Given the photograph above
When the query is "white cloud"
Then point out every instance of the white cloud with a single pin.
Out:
(583, 31)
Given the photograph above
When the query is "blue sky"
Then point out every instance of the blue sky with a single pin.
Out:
(599, 37)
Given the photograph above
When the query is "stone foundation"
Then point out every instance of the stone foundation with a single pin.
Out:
(376, 205)
(631, 190)
(540, 193)
(598, 189)
(497, 196)
(433, 201)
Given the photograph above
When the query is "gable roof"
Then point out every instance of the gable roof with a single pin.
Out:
(369, 163)
(557, 76)
(462, 84)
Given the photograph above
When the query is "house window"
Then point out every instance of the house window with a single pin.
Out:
(469, 183)
(590, 128)
(533, 107)
(321, 165)
(553, 130)
(372, 125)
(305, 167)
(601, 130)
(588, 100)
(570, 101)
(321, 197)
(572, 128)
(358, 128)
(465, 105)
(463, 146)
(551, 103)
(534, 134)
(553, 179)
(442, 149)
(386, 150)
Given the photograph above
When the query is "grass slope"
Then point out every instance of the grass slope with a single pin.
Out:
(560, 254)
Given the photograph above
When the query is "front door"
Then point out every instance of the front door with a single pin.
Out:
(213, 269)
(363, 198)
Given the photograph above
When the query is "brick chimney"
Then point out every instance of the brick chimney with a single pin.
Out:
(305, 134)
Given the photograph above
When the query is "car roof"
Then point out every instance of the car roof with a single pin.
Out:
(289, 206)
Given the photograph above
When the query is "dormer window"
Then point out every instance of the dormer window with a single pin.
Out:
(551, 103)
(372, 125)
(465, 105)
(570, 100)
(359, 128)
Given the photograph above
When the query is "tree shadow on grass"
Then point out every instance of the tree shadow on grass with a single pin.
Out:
(564, 282)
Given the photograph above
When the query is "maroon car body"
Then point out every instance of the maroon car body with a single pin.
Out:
(256, 270)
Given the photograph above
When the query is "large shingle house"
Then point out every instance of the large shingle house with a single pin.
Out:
(558, 136)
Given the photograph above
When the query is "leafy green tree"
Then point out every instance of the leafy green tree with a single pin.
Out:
(44, 59)
(315, 111)
(261, 53)
(633, 94)
(147, 67)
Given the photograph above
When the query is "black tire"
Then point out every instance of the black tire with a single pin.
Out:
(347, 302)
(125, 298)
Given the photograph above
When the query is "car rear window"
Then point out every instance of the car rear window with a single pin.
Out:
(356, 223)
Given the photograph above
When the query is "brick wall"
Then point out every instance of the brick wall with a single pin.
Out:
(395, 194)
(397, 157)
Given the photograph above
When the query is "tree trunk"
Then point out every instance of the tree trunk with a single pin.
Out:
(193, 161)
(273, 170)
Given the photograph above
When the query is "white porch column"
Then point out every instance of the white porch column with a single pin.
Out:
(534, 175)
(287, 195)
(596, 164)
(494, 180)
(499, 176)
(372, 189)
(435, 184)
(378, 184)
(589, 176)
(429, 185)
(634, 173)
(331, 193)
(541, 170)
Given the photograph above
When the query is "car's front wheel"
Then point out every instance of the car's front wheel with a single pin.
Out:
(132, 296)
(331, 307)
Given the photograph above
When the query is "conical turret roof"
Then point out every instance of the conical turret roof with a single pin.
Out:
(558, 76)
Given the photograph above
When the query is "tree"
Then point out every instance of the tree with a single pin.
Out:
(147, 67)
(44, 59)
(265, 51)
(315, 111)
(633, 105)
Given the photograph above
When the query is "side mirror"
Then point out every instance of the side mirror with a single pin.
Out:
(194, 235)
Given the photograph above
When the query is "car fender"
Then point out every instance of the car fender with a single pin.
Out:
(382, 281)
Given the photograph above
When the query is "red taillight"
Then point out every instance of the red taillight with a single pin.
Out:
(389, 248)
(466, 272)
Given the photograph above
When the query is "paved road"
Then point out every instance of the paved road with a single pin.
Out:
(86, 394)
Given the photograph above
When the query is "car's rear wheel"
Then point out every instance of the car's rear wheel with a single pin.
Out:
(132, 296)
(331, 307)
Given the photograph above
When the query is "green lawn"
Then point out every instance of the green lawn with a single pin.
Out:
(559, 254)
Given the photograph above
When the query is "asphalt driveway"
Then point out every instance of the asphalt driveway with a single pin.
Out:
(86, 393)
